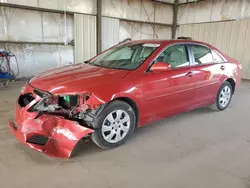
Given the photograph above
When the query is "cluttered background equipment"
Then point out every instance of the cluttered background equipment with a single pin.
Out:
(9, 68)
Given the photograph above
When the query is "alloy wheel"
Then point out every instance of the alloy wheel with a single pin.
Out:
(115, 126)
(225, 96)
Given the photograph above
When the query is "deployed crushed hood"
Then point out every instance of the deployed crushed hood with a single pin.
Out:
(75, 78)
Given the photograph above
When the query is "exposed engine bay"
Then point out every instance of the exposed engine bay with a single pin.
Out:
(81, 108)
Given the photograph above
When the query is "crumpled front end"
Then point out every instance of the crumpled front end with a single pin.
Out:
(54, 132)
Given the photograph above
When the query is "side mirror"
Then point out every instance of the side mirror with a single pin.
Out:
(160, 67)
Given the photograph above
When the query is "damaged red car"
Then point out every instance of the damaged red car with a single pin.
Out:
(125, 87)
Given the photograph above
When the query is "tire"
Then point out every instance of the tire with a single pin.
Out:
(225, 90)
(114, 125)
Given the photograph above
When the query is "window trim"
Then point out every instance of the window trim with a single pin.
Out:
(190, 55)
(193, 60)
(221, 56)
(212, 50)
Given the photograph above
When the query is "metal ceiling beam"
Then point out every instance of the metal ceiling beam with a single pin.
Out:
(139, 21)
(164, 2)
(10, 5)
(29, 42)
(191, 2)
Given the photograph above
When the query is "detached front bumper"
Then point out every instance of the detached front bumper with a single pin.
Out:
(49, 134)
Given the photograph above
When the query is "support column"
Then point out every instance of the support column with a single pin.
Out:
(99, 26)
(175, 12)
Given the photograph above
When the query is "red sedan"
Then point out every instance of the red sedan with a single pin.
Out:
(125, 87)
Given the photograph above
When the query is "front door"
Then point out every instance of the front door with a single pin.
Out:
(169, 92)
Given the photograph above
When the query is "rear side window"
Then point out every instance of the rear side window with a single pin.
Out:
(202, 54)
(217, 57)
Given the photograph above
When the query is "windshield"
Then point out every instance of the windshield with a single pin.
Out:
(127, 56)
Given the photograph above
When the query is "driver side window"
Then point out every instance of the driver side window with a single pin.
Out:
(176, 56)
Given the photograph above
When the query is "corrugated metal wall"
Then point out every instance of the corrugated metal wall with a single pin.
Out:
(213, 10)
(137, 19)
(34, 26)
(138, 31)
(159, 14)
(28, 26)
(79, 6)
(138, 10)
(223, 23)
(110, 32)
(154, 18)
(36, 58)
(85, 37)
(115, 30)
(231, 37)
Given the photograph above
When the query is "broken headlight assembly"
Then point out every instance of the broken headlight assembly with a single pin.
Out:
(66, 105)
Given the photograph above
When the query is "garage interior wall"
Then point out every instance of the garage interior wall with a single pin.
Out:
(38, 32)
(135, 19)
(36, 38)
(120, 20)
(85, 37)
(223, 23)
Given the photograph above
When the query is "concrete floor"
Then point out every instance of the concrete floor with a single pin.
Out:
(202, 148)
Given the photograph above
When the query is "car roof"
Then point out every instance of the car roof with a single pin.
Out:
(167, 42)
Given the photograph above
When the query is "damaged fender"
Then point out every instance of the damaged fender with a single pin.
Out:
(46, 123)
(52, 135)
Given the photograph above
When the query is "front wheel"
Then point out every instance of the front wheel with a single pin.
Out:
(114, 125)
(224, 96)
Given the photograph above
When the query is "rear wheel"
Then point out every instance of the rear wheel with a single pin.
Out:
(224, 96)
(114, 125)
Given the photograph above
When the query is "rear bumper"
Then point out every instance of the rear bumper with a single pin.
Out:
(62, 134)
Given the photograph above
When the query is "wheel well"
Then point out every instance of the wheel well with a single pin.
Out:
(132, 104)
(232, 82)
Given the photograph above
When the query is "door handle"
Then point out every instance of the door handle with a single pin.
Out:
(222, 67)
(190, 74)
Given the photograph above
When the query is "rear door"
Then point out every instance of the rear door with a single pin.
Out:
(209, 67)
(172, 91)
